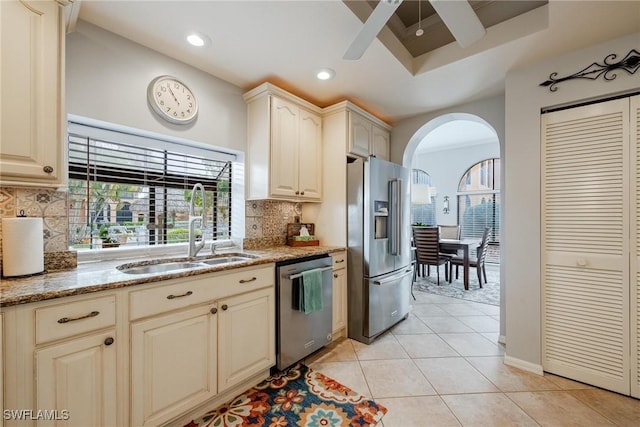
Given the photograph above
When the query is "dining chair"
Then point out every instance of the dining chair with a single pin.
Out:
(426, 241)
(450, 232)
(478, 262)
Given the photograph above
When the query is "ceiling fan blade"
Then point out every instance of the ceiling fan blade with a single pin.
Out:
(371, 28)
(460, 19)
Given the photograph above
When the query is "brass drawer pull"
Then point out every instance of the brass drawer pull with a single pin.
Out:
(335, 276)
(73, 319)
(339, 261)
(186, 294)
(248, 280)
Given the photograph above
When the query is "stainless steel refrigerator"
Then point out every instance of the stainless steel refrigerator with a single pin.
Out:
(379, 250)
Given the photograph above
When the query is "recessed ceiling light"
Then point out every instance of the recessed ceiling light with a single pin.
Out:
(198, 40)
(325, 74)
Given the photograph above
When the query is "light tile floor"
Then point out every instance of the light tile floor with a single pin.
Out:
(443, 367)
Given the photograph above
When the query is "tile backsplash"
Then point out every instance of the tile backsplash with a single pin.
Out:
(51, 206)
(265, 221)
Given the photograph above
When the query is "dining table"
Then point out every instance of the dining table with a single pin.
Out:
(464, 245)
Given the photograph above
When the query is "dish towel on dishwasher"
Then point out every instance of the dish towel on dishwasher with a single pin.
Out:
(311, 295)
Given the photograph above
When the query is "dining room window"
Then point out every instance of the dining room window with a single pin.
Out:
(422, 198)
(132, 190)
(479, 200)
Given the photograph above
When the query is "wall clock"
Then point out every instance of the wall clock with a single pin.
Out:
(172, 100)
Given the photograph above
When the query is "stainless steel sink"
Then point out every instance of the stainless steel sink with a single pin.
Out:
(161, 267)
(185, 264)
(226, 260)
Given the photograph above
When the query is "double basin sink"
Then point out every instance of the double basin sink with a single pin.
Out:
(173, 265)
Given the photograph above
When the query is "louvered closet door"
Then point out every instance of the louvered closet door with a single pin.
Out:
(585, 244)
(635, 249)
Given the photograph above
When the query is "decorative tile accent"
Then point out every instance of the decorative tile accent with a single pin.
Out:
(51, 206)
(7, 202)
(253, 227)
(254, 208)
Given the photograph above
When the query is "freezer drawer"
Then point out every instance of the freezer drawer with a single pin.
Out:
(388, 301)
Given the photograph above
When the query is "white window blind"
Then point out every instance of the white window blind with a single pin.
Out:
(132, 190)
(479, 200)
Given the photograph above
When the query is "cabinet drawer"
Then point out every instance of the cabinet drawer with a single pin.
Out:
(69, 319)
(339, 259)
(172, 296)
(175, 295)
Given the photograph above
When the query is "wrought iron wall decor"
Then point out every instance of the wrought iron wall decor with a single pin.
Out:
(630, 63)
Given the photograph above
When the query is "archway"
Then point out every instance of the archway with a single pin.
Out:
(450, 191)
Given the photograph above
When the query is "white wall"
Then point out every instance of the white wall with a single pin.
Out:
(107, 78)
(446, 167)
(521, 166)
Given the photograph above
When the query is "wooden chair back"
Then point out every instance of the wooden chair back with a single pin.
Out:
(484, 244)
(426, 242)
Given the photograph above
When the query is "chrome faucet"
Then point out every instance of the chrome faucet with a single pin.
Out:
(194, 246)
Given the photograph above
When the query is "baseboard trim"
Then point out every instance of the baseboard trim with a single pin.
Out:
(524, 365)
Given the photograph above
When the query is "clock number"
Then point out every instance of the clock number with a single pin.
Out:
(163, 89)
(161, 102)
(168, 109)
(175, 114)
(189, 97)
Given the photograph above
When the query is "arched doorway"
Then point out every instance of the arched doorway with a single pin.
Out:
(454, 147)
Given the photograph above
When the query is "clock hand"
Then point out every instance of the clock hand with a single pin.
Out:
(172, 94)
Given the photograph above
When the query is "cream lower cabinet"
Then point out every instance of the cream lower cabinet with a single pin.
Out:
(173, 363)
(246, 341)
(339, 293)
(76, 381)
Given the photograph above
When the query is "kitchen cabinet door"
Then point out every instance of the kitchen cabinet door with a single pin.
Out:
(310, 157)
(359, 135)
(173, 364)
(379, 142)
(284, 148)
(31, 103)
(77, 378)
(246, 336)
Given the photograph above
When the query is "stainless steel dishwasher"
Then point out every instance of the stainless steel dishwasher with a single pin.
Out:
(299, 334)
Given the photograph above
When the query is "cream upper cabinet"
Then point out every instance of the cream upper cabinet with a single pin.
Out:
(379, 142)
(367, 138)
(246, 336)
(32, 97)
(284, 150)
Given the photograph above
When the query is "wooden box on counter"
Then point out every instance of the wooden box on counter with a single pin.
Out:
(293, 230)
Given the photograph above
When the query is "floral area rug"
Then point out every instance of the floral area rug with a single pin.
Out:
(488, 294)
(297, 396)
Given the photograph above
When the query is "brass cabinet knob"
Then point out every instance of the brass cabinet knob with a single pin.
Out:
(225, 306)
(109, 341)
(47, 169)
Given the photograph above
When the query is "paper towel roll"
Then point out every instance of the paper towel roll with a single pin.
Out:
(22, 246)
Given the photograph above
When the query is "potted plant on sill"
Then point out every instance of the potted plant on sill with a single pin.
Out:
(107, 241)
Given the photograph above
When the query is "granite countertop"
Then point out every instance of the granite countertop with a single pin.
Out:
(103, 275)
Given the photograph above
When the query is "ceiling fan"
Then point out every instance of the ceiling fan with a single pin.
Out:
(457, 15)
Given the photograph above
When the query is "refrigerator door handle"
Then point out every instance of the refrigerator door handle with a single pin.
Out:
(395, 188)
(393, 242)
(393, 278)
